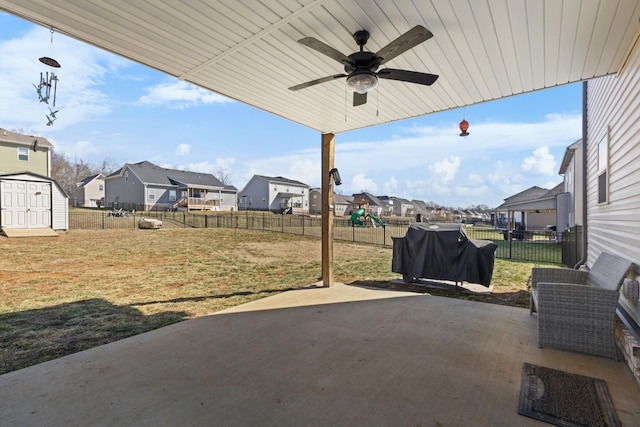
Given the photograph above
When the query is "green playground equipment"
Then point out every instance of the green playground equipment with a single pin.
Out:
(359, 216)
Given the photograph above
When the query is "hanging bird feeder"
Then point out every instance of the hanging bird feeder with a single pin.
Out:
(464, 126)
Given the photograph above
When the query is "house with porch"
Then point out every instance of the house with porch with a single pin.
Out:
(146, 186)
(275, 194)
(534, 209)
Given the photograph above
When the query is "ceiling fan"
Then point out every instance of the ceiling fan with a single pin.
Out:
(361, 67)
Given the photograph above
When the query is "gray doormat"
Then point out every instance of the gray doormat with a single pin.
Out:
(564, 399)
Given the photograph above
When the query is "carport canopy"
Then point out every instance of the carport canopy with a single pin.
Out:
(249, 51)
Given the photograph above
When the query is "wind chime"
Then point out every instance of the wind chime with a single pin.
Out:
(48, 86)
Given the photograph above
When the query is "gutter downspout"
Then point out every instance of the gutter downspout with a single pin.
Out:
(584, 176)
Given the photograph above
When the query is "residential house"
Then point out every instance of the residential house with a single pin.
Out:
(403, 207)
(341, 203)
(146, 186)
(29, 197)
(369, 202)
(613, 180)
(275, 194)
(388, 205)
(571, 170)
(422, 210)
(24, 153)
(90, 192)
(534, 208)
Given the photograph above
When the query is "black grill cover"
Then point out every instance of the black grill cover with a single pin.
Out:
(443, 252)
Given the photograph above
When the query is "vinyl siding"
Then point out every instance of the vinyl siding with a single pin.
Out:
(60, 209)
(614, 113)
(38, 160)
(131, 191)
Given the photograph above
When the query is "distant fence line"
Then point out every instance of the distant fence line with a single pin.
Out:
(535, 246)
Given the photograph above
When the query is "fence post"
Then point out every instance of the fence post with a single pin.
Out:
(184, 219)
(246, 216)
(206, 221)
(302, 225)
(103, 220)
(384, 236)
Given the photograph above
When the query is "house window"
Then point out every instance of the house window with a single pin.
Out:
(100, 187)
(184, 193)
(23, 154)
(603, 167)
(172, 195)
(222, 198)
(126, 176)
(151, 194)
(315, 197)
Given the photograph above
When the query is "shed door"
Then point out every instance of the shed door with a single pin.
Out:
(25, 204)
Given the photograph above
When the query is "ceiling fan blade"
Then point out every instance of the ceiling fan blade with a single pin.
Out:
(408, 76)
(325, 49)
(317, 81)
(408, 40)
(359, 98)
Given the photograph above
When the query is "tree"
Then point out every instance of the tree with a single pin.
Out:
(223, 175)
(68, 174)
(107, 167)
(63, 172)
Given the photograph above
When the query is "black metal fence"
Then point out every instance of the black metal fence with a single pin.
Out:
(534, 246)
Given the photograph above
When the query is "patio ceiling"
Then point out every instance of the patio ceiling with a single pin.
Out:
(248, 50)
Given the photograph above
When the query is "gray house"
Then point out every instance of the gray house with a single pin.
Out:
(90, 192)
(571, 170)
(275, 194)
(146, 186)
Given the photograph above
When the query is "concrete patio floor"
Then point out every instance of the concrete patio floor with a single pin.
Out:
(340, 356)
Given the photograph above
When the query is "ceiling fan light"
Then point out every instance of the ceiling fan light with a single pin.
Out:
(362, 82)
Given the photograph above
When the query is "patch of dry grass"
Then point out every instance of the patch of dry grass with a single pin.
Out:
(86, 288)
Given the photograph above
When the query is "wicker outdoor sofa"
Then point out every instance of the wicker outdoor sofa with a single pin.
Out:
(577, 309)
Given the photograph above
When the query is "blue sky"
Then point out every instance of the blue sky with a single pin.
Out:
(113, 108)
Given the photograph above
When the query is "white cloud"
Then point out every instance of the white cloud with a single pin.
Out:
(180, 94)
(360, 182)
(206, 166)
(182, 149)
(390, 186)
(541, 162)
(445, 170)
